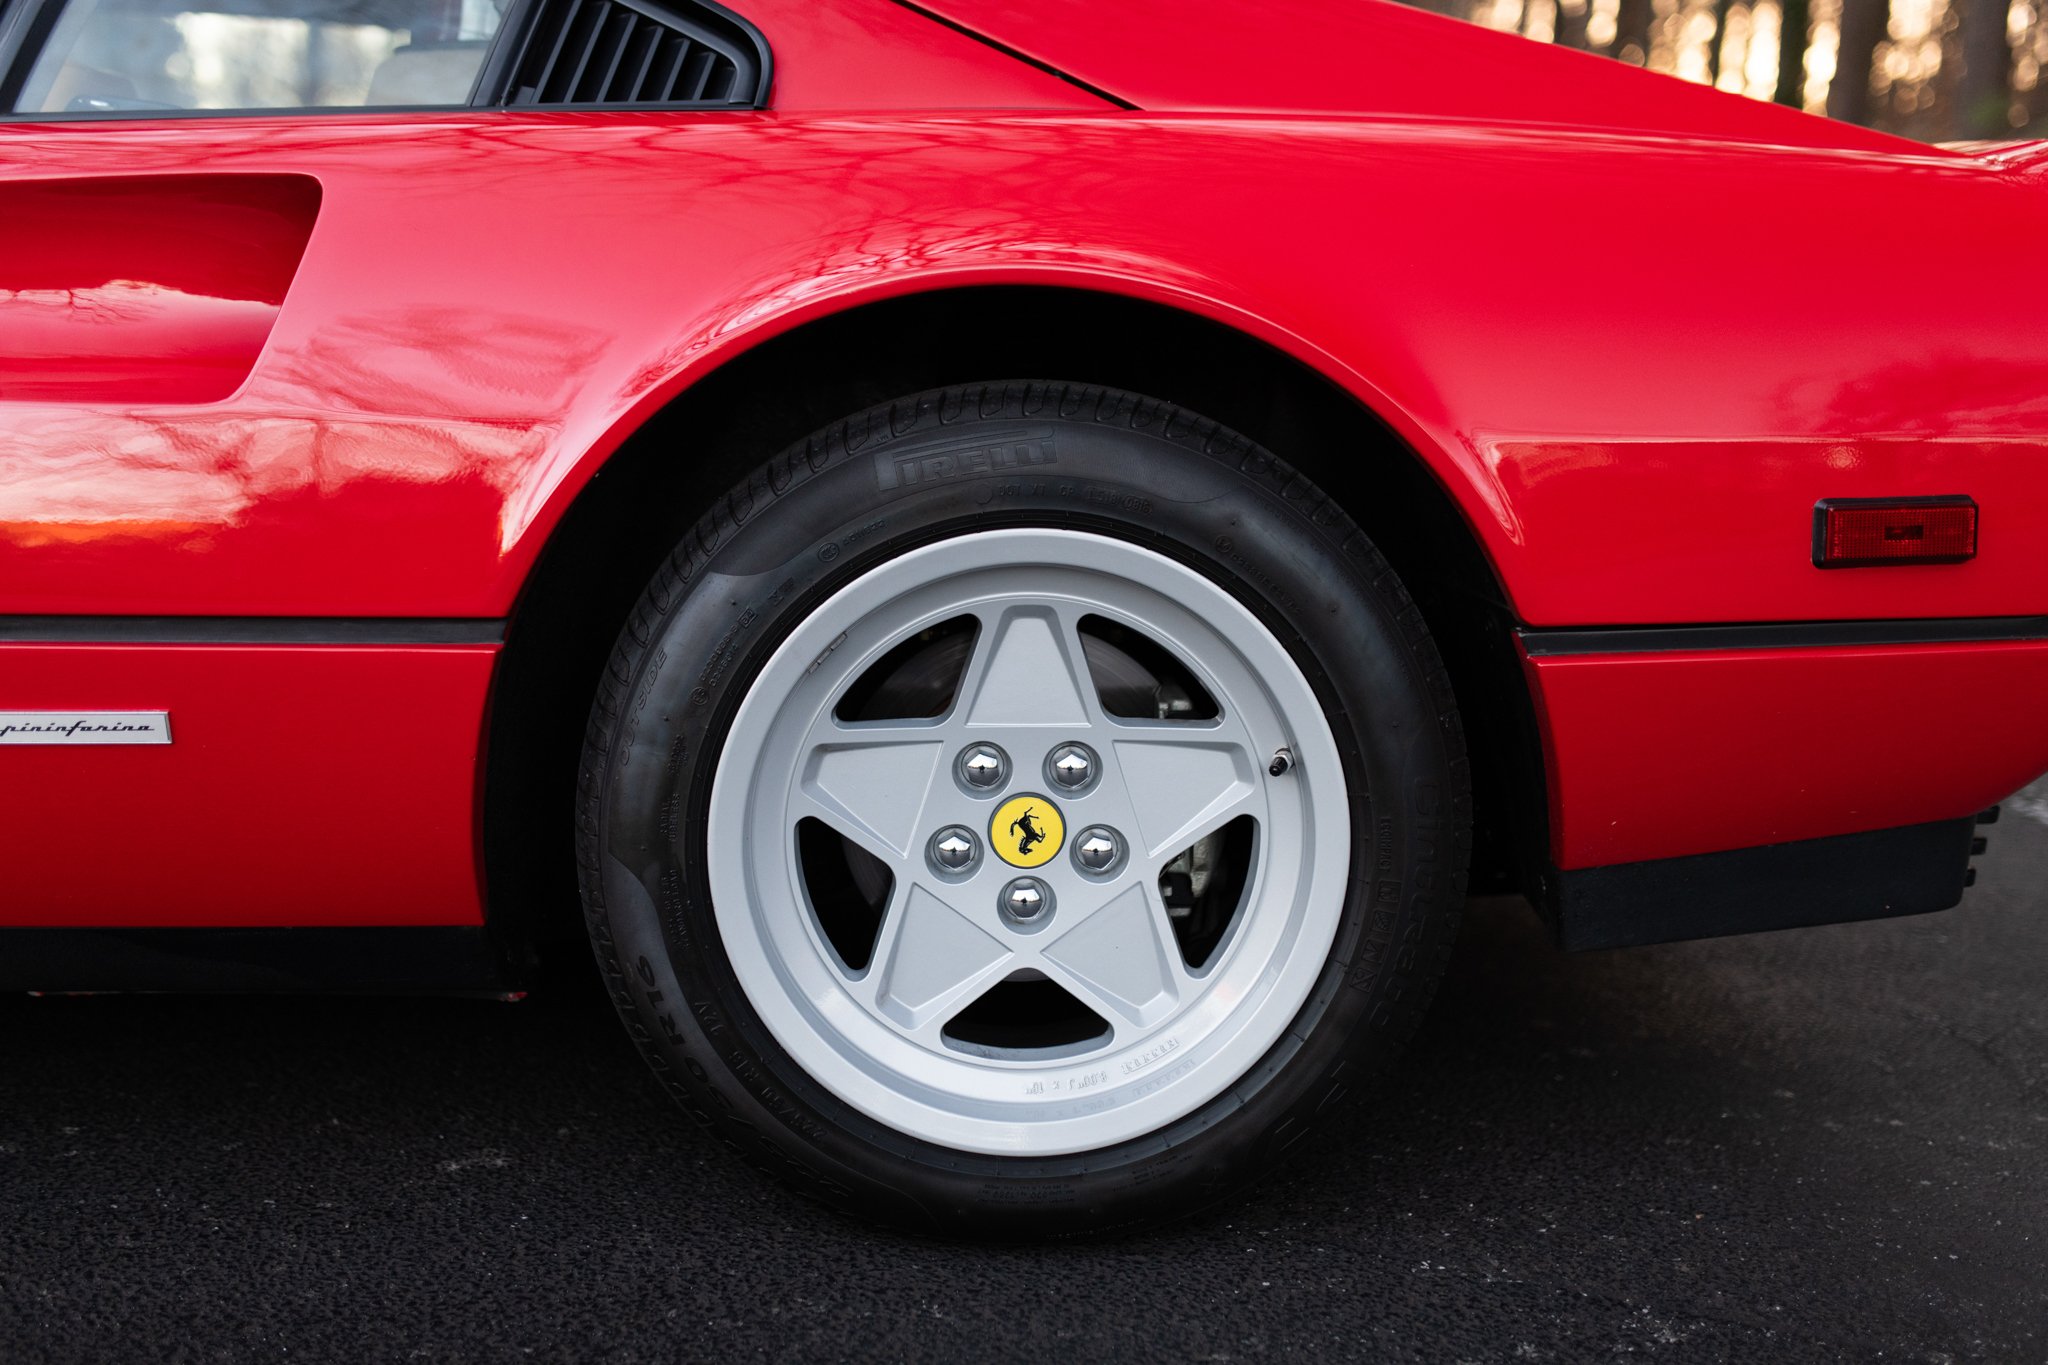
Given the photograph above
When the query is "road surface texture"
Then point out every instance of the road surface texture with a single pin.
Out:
(1829, 1144)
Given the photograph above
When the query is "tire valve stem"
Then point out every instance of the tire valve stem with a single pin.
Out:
(826, 654)
(1282, 761)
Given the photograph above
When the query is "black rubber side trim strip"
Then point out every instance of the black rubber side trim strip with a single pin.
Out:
(1023, 57)
(249, 630)
(1781, 635)
(427, 959)
(1910, 870)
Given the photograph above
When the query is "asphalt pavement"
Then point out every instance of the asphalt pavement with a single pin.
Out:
(1830, 1144)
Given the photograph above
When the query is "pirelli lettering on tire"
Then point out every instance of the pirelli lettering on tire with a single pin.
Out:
(931, 462)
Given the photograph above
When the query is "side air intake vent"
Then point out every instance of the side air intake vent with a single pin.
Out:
(609, 52)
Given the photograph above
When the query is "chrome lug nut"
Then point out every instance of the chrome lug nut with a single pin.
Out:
(1025, 901)
(1071, 766)
(1098, 850)
(954, 850)
(983, 767)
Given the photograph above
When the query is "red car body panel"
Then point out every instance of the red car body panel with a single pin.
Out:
(304, 785)
(1765, 746)
(488, 303)
(444, 403)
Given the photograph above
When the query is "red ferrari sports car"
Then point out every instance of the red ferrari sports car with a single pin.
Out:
(1015, 554)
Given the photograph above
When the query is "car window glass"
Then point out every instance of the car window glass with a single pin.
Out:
(142, 55)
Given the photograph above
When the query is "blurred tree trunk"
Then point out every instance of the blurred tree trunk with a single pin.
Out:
(1797, 18)
(1719, 40)
(1632, 19)
(1984, 95)
(1864, 23)
(1571, 28)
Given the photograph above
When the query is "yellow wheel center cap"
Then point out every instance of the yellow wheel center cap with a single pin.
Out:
(1026, 831)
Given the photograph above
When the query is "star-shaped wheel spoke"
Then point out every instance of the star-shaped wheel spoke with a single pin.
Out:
(1025, 831)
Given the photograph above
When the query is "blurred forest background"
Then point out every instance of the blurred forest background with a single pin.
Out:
(1937, 70)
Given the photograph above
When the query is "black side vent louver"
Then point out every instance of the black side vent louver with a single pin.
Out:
(638, 52)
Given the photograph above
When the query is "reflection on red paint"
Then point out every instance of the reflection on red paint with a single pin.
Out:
(459, 354)
(153, 289)
(491, 302)
(128, 341)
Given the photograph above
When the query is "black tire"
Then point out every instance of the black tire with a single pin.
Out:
(821, 513)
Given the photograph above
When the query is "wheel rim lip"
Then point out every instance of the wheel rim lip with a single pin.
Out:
(1270, 962)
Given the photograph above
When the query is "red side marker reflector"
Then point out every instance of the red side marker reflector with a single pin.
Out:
(1863, 533)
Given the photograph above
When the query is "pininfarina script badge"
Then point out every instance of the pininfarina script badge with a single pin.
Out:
(85, 727)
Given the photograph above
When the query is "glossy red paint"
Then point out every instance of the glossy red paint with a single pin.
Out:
(303, 785)
(491, 302)
(1662, 755)
(93, 309)
(459, 355)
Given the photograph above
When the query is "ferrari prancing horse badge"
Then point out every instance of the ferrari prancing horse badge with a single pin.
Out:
(1026, 831)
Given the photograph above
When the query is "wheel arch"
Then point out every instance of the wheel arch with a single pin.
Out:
(701, 439)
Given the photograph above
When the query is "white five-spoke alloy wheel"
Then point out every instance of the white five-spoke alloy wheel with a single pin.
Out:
(1176, 1035)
